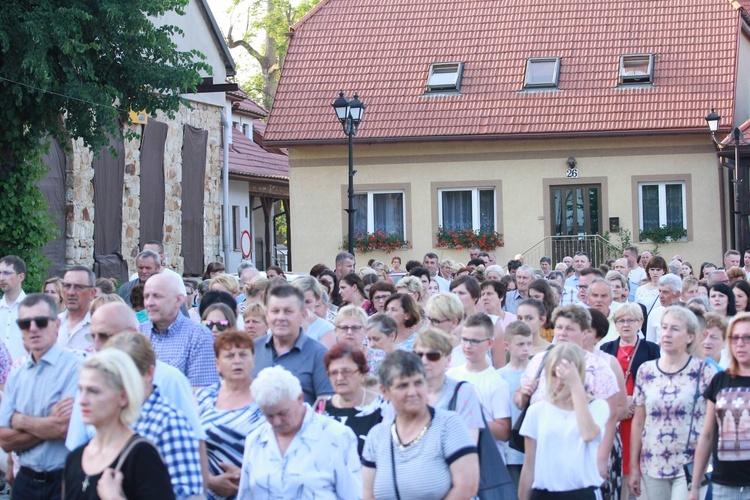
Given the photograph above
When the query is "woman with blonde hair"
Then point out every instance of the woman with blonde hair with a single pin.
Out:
(225, 283)
(727, 405)
(53, 287)
(562, 432)
(100, 300)
(254, 317)
(411, 285)
(116, 463)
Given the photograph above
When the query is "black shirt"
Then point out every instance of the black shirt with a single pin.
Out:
(145, 475)
(360, 420)
(731, 448)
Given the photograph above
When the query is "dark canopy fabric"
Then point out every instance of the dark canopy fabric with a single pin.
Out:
(52, 187)
(152, 181)
(194, 145)
(109, 177)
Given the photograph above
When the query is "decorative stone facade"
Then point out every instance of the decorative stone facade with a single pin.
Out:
(80, 192)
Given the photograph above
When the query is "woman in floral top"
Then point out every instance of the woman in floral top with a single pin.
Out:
(665, 403)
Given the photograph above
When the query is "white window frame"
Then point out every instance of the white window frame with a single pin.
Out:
(662, 201)
(634, 79)
(446, 68)
(555, 76)
(475, 215)
(371, 207)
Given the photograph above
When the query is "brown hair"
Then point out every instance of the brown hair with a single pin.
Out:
(734, 366)
(233, 338)
(344, 350)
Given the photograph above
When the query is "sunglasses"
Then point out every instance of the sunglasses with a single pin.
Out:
(430, 355)
(220, 325)
(41, 322)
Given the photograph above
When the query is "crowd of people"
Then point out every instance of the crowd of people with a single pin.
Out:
(433, 380)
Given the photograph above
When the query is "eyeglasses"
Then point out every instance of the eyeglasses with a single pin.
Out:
(353, 329)
(472, 341)
(220, 325)
(736, 339)
(430, 355)
(345, 372)
(41, 322)
(381, 298)
(627, 321)
(436, 322)
(75, 286)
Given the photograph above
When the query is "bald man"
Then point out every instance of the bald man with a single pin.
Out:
(107, 321)
(177, 340)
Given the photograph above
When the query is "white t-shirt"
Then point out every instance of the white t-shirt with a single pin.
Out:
(492, 390)
(637, 275)
(653, 328)
(563, 461)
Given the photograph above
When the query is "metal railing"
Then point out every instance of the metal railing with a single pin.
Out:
(280, 256)
(557, 247)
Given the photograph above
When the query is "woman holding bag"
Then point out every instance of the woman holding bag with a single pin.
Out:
(669, 410)
(116, 463)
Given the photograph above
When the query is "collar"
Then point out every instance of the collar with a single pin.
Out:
(268, 434)
(19, 299)
(176, 322)
(63, 316)
(299, 344)
(50, 357)
(151, 401)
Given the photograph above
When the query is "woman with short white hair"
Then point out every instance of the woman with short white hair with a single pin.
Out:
(296, 453)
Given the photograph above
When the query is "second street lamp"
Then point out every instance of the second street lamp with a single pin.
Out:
(737, 139)
(350, 114)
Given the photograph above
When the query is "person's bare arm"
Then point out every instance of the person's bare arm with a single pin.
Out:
(610, 429)
(13, 440)
(703, 450)
(465, 478)
(622, 395)
(636, 442)
(500, 428)
(527, 472)
(523, 394)
(368, 483)
(498, 347)
(45, 428)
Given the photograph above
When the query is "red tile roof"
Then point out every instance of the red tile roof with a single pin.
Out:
(383, 48)
(242, 103)
(248, 158)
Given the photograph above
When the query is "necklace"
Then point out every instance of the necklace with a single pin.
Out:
(85, 484)
(397, 439)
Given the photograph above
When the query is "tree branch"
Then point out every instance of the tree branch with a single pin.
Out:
(242, 43)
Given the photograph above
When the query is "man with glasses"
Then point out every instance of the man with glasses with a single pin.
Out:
(12, 274)
(37, 402)
(75, 321)
(288, 346)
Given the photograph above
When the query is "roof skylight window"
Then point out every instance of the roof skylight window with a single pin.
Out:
(636, 68)
(542, 72)
(444, 77)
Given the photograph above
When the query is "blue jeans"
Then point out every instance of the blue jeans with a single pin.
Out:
(27, 488)
(721, 492)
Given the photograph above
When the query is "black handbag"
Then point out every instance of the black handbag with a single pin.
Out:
(688, 467)
(516, 440)
(495, 482)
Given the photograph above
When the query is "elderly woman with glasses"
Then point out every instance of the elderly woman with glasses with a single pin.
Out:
(381, 332)
(296, 453)
(353, 404)
(631, 352)
(425, 451)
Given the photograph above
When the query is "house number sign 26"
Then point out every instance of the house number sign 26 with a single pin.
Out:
(571, 173)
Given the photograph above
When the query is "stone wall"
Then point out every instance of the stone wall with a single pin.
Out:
(80, 192)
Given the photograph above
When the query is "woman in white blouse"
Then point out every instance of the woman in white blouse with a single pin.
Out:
(296, 453)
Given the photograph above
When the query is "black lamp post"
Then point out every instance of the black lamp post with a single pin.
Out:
(350, 115)
(737, 140)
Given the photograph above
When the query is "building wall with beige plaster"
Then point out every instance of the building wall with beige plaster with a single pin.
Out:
(524, 172)
(80, 192)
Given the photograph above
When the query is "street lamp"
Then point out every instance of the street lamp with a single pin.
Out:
(350, 115)
(737, 139)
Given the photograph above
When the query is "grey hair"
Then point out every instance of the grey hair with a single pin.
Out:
(149, 254)
(399, 364)
(494, 267)
(83, 269)
(672, 281)
(616, 276)
(528, 269)
(243, 266)
(699, 299)
(343, 256)
(384, 324)
(602, 280)
(305, 283)
(686, 316)
(275, 384)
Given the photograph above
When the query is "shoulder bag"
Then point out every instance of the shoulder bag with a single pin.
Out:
(516, 440)
(688, 467)
(494, 481)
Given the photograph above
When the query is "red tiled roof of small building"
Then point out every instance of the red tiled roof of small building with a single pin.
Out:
(383, 50)
(248, 158)
(241, 102)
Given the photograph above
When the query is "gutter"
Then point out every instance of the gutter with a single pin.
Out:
(225, 186)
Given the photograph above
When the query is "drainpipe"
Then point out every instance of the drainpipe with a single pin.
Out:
(225, 187)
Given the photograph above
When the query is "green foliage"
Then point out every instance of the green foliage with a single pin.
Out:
(624, 240)
(379, 240)
(89, 62)
(663, 234)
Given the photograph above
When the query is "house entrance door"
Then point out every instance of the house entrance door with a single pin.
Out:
(575, 215)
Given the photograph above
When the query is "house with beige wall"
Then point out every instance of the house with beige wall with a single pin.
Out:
(548, 123)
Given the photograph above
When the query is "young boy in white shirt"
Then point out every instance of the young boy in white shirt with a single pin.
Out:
(518, 339)
(476, 341)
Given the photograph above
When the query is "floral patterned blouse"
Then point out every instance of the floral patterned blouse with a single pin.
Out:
(668, 400)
